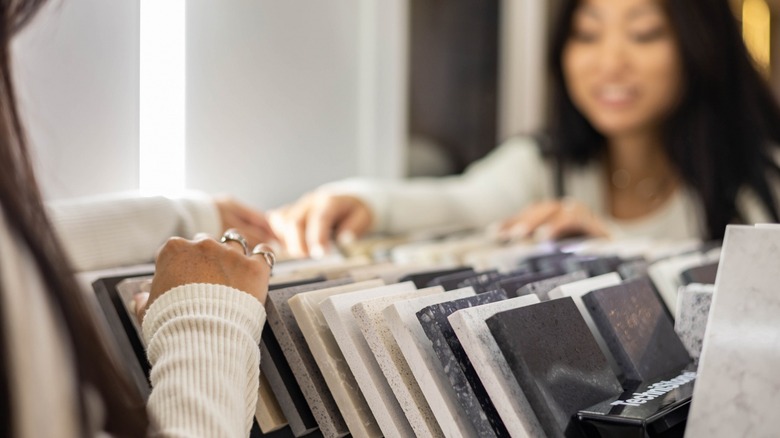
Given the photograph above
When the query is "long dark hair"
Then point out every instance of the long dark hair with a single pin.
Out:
(721, 136)
(23, 209)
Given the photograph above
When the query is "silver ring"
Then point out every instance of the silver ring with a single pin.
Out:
(267, 253)
(233, 236)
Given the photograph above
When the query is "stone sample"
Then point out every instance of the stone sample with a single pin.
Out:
(452, 281)
(693, 309)
(491, 366)
(555, 360)
(368, 314)
(576, 290)
(360, 360)
(268, 414)
(282, 323)
(421, 279)
(738, 387)
(542, 288)
(402, 319)
(666, 275)
(469, 390)
(306, 309)
(704, 274)
(637, 330)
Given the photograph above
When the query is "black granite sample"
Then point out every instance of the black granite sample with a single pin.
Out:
(470, 392)
(593, 265)
(637, 329)
(452, 281)
(543, 287)
(704, 274)
(421, 279)
(310, 380)
(556, 362)
(546, 262)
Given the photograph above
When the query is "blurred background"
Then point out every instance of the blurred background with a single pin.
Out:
(266, 99)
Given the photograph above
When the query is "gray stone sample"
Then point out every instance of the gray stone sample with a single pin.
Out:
(421, 279)
(470, 392)
(542, 288)
(637, 330)
(704, 274)
(556, 361)
(286, 331)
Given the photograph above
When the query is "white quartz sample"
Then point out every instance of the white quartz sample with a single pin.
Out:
(491, 366)
(402, 319)
(368, 314)
(330, 360)
(360, 360)
(737, 392)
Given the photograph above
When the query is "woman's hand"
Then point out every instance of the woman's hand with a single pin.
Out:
(554, 220)
(252, 224)
(305, 228)
(204, 260)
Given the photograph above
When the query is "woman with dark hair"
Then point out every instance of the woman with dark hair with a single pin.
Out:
(660, 126)
(59, 376)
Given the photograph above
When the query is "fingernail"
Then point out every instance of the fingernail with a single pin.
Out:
(346, 238)
(317, 252)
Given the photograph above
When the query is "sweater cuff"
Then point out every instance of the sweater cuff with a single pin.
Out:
(201, 300)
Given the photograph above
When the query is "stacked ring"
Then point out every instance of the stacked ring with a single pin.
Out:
(232, 236)
(267, 253)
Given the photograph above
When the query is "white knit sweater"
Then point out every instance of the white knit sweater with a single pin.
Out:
(202, 339)
(511, 178)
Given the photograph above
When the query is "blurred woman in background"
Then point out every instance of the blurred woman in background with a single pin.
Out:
(660, 126)
(59, 376)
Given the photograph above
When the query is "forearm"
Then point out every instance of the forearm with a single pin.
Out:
(203, 347)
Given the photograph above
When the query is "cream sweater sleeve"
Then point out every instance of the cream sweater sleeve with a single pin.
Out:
(495, 187)
(202, 342)
(125, 229)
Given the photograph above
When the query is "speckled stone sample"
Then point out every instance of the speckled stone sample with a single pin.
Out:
(368, 314)
(637, 329)
(593, 265)
(738, 387)
(491, 367)
(402, 319)
(542, 288)
(337, 311)
(285, 329)
(693, 309)
(468, 388)
(553, 261)
(452, 281)
(556, 361)
(576, 290)
(511, 285)
(483, 282)
(633, 269)
(306, 309)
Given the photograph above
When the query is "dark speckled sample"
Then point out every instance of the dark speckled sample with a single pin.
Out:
(469, 390)
(293, 345)
(421, 279)
(542, 288)
(556, 361)
(483, 282)
(593, 265)
(637, 329)
(452, 281)
(513, 284)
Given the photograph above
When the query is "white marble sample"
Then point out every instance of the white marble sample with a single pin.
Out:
(579, 288)
(402, 319)
(491, 366)
(330, 360)
(302, 364)
(693, 309)
(360, 360)
(368, 315)
(737, 392)
(666, 275)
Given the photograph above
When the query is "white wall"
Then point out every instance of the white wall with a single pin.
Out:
(77, 78)
(281, 95)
